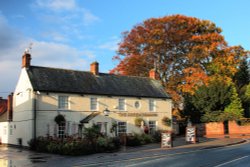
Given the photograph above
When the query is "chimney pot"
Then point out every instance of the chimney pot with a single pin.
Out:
(153, 74)
(26, 60)
(94, 68)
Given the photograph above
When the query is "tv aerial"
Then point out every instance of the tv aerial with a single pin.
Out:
(28, 50)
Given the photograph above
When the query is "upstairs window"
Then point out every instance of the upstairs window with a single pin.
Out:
(63, 102)
(151, 105)
(93, 104)
(121, 104)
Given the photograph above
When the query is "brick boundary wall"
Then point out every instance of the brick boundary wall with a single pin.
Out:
(234, 128)
(212, 128)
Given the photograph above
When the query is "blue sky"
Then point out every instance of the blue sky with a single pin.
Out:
(73, 33)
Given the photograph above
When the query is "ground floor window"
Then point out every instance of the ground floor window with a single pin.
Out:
(5, 130)
(61, 130)
(121, 127)
(152, 126)
(11, 130)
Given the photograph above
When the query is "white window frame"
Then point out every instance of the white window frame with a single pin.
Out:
(151, 105)
(152, 126)
(63, 102)
(61, 130)
(93, 102)
(121, 104)
(119, 127)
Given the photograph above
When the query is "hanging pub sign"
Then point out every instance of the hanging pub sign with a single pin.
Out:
(166, 140)
(191, 134)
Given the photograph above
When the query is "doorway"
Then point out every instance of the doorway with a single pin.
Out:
(226, 129)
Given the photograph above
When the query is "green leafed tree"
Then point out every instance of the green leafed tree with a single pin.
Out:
(218, 101)
(234, 110)
(241, 80)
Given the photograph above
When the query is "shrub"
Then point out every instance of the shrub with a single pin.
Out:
(243, 121)
(166, 121)
(106, 144)
(134, 140)
(73, 147)
(146, 139)
(138, 121)
(157, 136)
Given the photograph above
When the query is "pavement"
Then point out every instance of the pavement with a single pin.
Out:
(202, 143)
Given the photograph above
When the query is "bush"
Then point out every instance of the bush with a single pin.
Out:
(157, 136)
(105, 144)
(138, 121)
(139, 139)
(147, 139)
(243, 121)
(166, 121)
(73, 147)
(135, 140)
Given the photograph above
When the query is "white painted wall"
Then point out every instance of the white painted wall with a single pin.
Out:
(79, 108)
(4, 132)
(23, 114)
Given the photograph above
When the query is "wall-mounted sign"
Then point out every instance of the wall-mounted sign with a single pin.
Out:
(138, 114)
(191, 134)
(166, 140)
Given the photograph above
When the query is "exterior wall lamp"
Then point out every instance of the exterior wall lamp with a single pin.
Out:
(106, 112)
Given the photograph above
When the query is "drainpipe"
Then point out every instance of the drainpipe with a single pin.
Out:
(34, 115)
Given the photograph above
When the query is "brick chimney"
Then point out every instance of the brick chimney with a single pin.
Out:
(10, 107)
(94, 68)
(26, 60)
(153, 74)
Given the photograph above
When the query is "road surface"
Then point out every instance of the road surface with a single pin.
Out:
(237, 155)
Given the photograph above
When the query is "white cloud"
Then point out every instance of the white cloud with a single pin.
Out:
(60, 55)
(66, 10)
(43, 53)
(56, 5)
(55, 36)
(88, 17)
(111, 44)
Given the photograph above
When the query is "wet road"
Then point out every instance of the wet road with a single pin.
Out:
(238, 155)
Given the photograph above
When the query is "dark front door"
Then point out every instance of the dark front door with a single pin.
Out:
(225, 123)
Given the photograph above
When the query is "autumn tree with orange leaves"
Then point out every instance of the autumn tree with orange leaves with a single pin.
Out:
(186, 52)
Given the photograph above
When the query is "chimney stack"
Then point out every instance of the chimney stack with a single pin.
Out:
(10, 107)
(94, 68)
(153, 74)
(26, 60)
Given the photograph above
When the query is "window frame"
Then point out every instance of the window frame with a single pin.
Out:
(120, 128)
(150, 127)
(61, 132)
(93, 104)
(63, 105)
(151, 105)
(121, 105)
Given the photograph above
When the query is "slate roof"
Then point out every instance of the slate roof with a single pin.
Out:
(80, 82)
